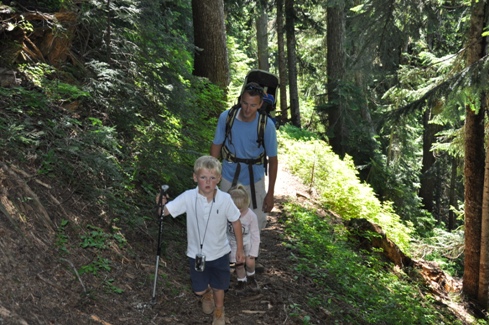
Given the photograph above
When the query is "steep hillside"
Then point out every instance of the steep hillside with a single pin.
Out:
(42, 283)
(47, 278)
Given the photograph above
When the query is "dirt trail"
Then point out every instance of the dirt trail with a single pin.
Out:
(40, 280)
(42, 284)
(281, 291)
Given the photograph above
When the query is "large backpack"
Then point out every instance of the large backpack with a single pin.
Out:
(270, 85)
(269, 82)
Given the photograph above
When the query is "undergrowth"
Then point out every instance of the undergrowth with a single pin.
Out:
(355, 285)
(337, 183)
(353, 281)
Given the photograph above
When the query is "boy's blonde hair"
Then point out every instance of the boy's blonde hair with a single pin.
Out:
(208, 162)
(240, 196)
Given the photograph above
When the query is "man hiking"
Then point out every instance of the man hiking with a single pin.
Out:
(246, 151)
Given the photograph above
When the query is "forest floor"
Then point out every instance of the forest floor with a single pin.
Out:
(41, 283)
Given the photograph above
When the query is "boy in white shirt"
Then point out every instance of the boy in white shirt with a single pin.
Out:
(208, 212)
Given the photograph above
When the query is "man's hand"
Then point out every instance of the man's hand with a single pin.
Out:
(268, 203)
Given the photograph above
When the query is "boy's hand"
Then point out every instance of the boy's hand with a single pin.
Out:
(163, 194)
(164, 200)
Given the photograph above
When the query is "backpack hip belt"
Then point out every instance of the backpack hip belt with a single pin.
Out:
(227, 155)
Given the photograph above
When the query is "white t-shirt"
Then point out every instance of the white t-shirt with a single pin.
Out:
(206, 221)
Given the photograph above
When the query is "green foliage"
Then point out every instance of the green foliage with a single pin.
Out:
(109, 284)
(372, 293)
(61, 237)
(96, 238)
(48, 78)
(63, 92)
(444, 248)
(99, 239)
(21, 130)
(423, 72)
(336, 181)
(239, 65)
(142, 118)
(240, 26)
(100, 264)
(37, 73)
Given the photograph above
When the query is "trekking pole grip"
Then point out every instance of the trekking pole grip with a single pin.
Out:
(163, 190)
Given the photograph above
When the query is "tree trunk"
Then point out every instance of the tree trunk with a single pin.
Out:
(428, 177)
(474, 181)
(292, 63)
(483, 297)
(452, 195)
(211, 57)
(262, 35)
(336, 70)
(282, 63)
(473, 163)
(483, 293)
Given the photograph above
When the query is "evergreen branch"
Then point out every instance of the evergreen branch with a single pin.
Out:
(474, 76)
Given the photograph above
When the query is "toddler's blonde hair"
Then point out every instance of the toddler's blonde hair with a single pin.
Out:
(240, 196)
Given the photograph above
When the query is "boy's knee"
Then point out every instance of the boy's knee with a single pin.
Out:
(201, 293)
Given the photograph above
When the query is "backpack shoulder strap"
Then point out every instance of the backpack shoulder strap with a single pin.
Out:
(262, 124)
(233, 112)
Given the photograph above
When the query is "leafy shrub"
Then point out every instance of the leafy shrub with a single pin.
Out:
(337, 183)
(356, 287)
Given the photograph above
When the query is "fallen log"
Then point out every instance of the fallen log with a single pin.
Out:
(370, 235)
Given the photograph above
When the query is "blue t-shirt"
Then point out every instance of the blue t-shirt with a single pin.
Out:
(244, 145)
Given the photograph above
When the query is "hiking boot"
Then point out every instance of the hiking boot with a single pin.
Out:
(208, 302)
(252, 284)
(240, 288)
(219, 318)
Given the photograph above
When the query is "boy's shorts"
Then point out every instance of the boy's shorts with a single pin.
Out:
(216, 273)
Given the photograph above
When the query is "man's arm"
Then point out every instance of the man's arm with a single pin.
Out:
(216, 150)
(268, 202)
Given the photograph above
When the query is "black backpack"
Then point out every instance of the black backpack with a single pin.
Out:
(269, 82)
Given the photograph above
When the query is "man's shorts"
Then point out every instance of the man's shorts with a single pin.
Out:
(260, 196)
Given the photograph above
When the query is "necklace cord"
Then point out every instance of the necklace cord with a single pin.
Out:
(201, 241)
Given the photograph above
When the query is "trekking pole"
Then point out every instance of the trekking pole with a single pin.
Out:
(160, 211)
